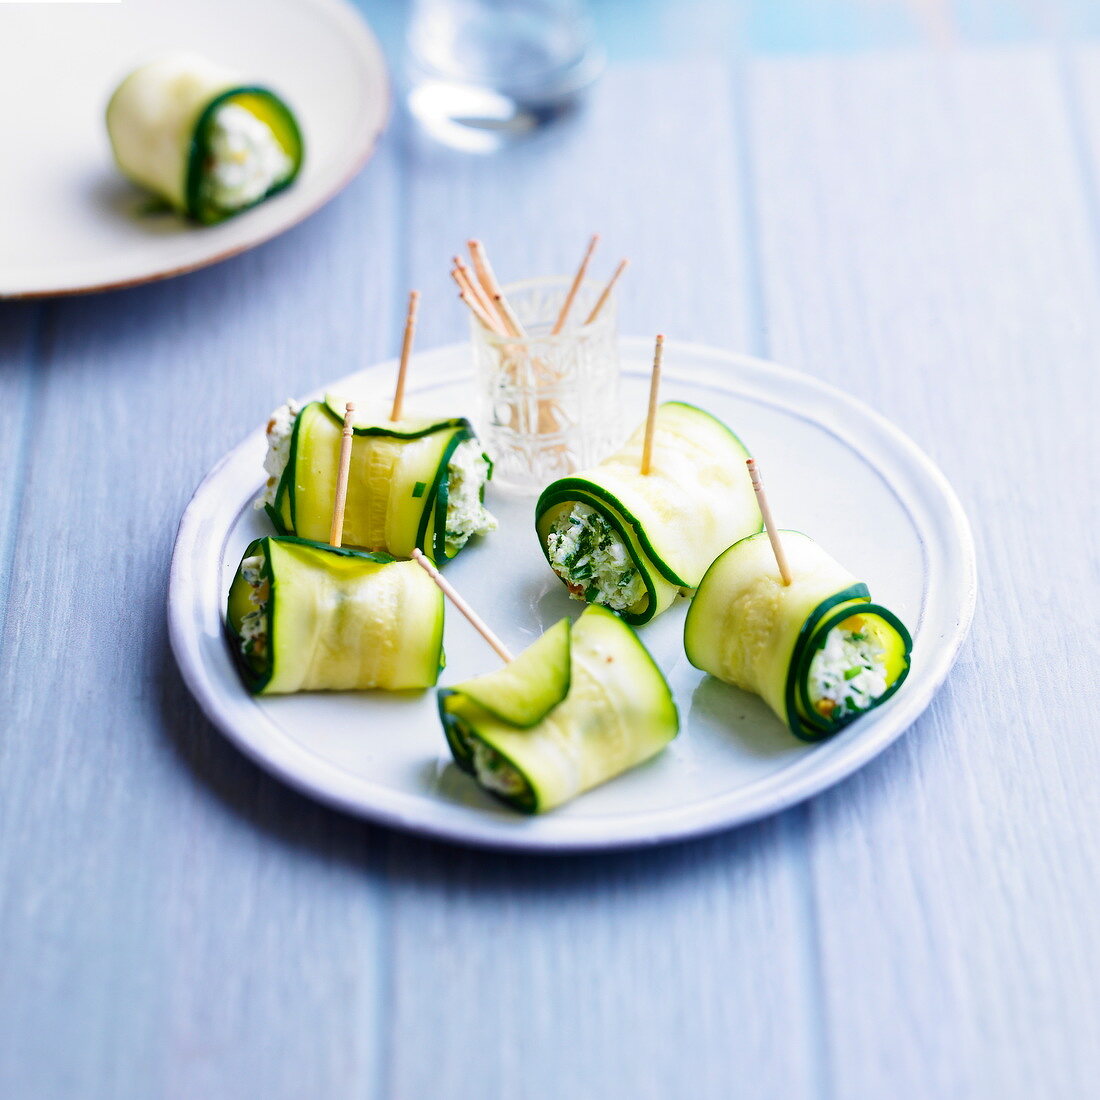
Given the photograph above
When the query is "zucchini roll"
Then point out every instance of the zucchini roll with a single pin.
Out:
(200, 137)
(817, 651)
(632, 541)
(306, 616)
(583, 704)
(412, 483)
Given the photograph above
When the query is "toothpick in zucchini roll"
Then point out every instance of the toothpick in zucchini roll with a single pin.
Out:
(202, 138)
(413, 483)
(818, 651)
(583, 704)
(306, 616)
(631, 541)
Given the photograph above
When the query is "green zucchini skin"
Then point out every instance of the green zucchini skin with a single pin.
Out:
(337, 619)
(416, 506)
(671, 530)
(746, 628)
(617, 712)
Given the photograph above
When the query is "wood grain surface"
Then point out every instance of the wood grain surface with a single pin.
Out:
(920, 226)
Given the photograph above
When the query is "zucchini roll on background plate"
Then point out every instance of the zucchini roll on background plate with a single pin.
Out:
(581, 705)
(306, 616)
(416, 482)
(817, 651)
(202, 138)
(632, 541)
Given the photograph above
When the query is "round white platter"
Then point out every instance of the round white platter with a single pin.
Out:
(80, 225)
(833, 468)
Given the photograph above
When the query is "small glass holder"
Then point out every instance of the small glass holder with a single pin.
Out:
(549, 404)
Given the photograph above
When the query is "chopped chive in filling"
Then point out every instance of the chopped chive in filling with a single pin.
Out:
(253, 628)
(588, 554)
(848, 673)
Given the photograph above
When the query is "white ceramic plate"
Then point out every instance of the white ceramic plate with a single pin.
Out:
(70, 222)
(833, 468)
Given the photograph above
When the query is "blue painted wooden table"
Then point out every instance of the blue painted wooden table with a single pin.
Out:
(898, 197)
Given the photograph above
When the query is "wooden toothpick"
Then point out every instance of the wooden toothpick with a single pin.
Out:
(476, 309)
(769, 523)
(481, 266)
(475, 619)
(492, 289)
(406, 348)
(336, 531)
(466, 279)
(567, 305)
(601, 301)
(511, 321)
(651, 418)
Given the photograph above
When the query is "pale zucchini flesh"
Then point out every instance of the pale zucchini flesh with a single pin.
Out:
(158, 123)
(749, 629)
(523, 691)
(339, 620)
(397, 483)
(618, 712)
(696, 500)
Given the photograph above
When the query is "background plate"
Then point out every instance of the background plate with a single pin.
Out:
(78, 225)
(833, 468)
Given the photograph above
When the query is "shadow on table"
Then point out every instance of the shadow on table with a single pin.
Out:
(265, 803)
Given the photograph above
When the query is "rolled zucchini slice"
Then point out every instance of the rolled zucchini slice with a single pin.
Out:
(632, 541)
(203, 139)
(306, 616)
(614, 709)
(818, 651)
(416, 483)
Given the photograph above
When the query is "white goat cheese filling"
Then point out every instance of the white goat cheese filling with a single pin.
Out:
(467, 472)
(588, 554)
(279, 430)
(253, 628)
(848, 673)
(494, 772)
(246, 159)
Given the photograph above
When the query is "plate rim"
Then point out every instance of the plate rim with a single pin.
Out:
(371, 49)
(782, 789)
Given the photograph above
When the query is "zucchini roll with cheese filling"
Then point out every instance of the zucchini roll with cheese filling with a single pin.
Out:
(581, 705)
(817, 651)
(632, 541)
(415, 482)
(200, 137)
(306, 616)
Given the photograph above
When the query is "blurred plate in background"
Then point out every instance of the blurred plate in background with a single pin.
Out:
(70, 223)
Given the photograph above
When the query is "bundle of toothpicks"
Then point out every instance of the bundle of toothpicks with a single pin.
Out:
(481, 292)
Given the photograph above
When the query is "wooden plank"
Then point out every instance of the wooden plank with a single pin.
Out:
(652, 975)
(175, 923)
(926, 244)
(21, 335)
(647, 975)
